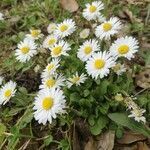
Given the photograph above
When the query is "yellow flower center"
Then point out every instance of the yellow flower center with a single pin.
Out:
(99, 63)
(119, 97)
(50, 83)
(25, 49)
(51, 41)
(7, 93)
(107, 26)
(87, 49)
(92, 9)
(75, 79)
(50, 67)
(57, 50)
(35, 33)
(47, 103)
(63, 28)
(123, 49)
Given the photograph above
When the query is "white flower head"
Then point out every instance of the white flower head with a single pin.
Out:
(108, 28)
(92, 11)
(34, 34)
(84, 33)
(1, 80)
(66, 28)
(87, 49)
(99, 64)
(51, 28)
(119, 69)
(124, 47)
(53, 81)
(26, 49)
(50, 68)
(76, 79)
(7, 91)
(1, 16)
(48, 104)
(60, 48)
(137, 114)
(50, 41)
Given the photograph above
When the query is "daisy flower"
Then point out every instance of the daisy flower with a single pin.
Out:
(26, 49)
(48, 104)
(50, 68)
(92, 11)
(1, 16)
(99, 64)
(84, 33)
(76, 80)
(50, 41)
(87, 49)
(51, 28)
(7, 91)
(67, 27)
(108, 28)
(1, 80)
(124, 47)
(34, 34)
(119, 69)
(53, 81)
(137, 114)
(61, 48)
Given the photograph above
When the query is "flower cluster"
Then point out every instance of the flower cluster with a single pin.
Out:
(98, 60)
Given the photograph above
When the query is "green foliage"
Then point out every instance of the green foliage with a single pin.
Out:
(124, 120)
(93, 101)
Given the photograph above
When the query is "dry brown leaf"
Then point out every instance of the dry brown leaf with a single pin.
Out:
(143, 78)
(90, 145)
(125, 147)
(142, 146)
(106, 141)
(130, 137)
(76, 143)
(70, 5)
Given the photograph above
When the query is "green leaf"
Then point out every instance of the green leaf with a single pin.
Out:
(91, 120)
(2, 129)
(124, 120)
(48, 140)
(99, 125)
(25, 119)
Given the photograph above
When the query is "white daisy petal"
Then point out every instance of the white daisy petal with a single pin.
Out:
(51, 28)
(1, 80)
(92, 11)
(66, 28)
(1, 16)
(48, 104)
(7, 91)
(50, 68)
(124, 47)
(87, 49)
(61, 48)
(26, 49)
(34, 34)
(99, 64)
(50, 41)
(119, 69)
(108, 28)
(53, 81)
(76, 80)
